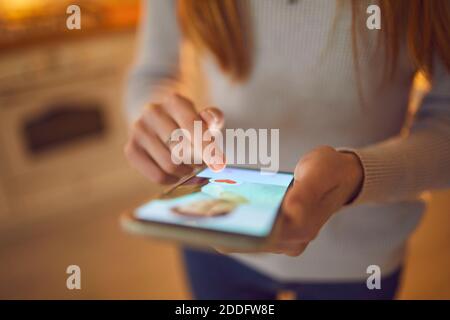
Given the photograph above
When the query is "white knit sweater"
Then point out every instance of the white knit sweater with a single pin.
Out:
(303, 82)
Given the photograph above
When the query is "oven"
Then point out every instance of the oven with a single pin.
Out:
(62, 125)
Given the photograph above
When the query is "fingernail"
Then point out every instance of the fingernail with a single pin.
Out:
(217, 162)
(209, 117)
(217, 167)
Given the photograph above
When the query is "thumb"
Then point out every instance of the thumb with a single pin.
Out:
(213, 117)
(307, 184)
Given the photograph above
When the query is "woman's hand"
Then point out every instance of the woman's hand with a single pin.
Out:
(325, 180)
(148, 148)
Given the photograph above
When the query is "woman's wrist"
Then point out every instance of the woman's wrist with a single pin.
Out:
(353, 175)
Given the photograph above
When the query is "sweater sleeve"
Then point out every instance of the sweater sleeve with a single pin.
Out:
(404, 166)
(157, 60)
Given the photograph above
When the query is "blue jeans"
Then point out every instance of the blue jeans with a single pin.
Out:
(215, 276)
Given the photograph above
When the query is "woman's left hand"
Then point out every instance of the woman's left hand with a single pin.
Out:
(325, 180)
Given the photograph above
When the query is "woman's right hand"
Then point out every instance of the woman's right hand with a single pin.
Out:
(148, 147)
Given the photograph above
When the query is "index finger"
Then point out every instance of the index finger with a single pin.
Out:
(185, 115)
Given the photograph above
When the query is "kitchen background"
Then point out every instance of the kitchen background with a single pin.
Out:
(64, 180)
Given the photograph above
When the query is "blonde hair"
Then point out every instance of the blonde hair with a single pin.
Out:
(220, 26)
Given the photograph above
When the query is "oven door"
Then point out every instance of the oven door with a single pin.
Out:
(57, 142)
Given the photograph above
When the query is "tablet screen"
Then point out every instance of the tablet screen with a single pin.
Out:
(235, 200)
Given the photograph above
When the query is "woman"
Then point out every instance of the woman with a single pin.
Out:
(339, 94)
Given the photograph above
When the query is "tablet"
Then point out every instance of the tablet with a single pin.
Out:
(234, 208)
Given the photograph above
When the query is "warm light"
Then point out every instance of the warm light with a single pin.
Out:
(21, 9)
(421, 82)
(14, 9)
(421, 86)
